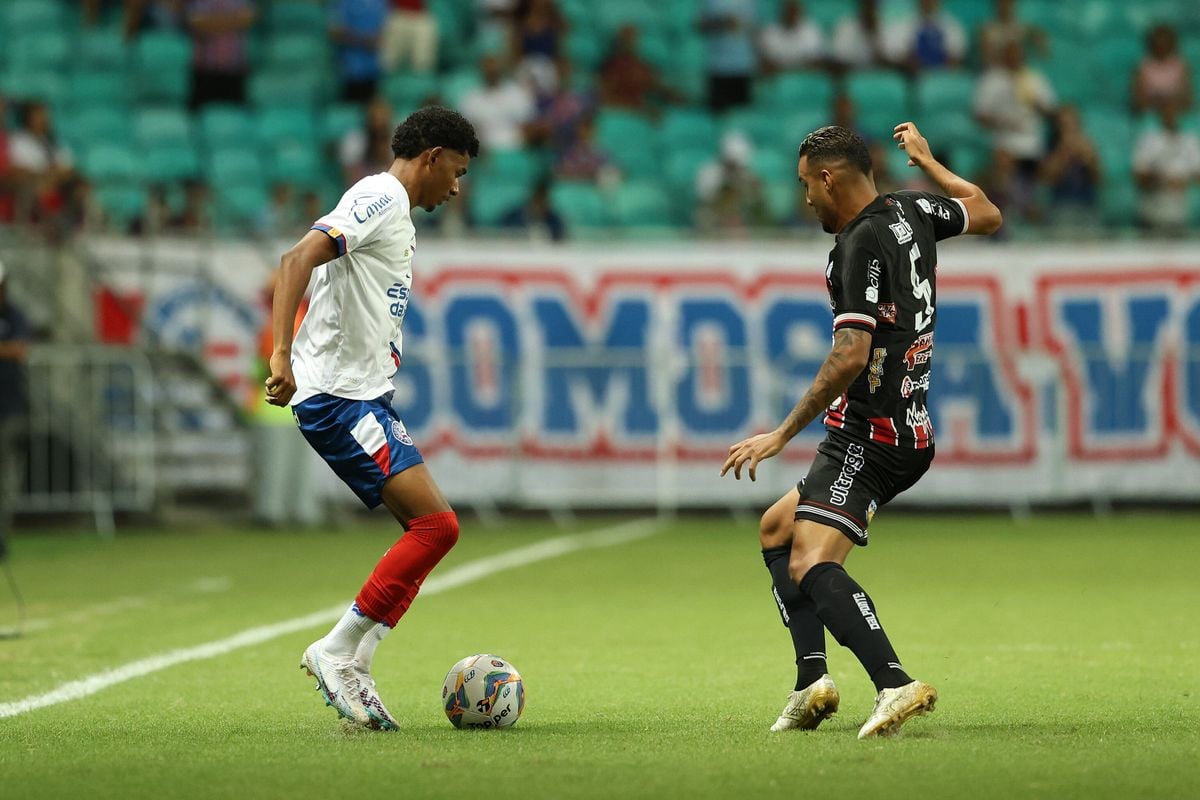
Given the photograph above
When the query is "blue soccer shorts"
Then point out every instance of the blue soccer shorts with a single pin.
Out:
(362, 440)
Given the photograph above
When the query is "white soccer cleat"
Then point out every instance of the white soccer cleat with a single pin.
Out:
(894, 707)
(343, 687)
(381, 718)
(806, 708)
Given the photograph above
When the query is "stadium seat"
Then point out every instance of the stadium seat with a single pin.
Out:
(406, 91)
(240, 206)
(164, 162)
(515, 167)
(46, 85)
(96, 88)
(617, 130)
(771, 166)
(101, 51)
(880, 100)
(235, 166)
(121, 204)
(278, 125)
(295, 163)
(39, 49)
(761, 126)
(492, 199)
(1115, 60)
(162, 66)
(640, 204)
(456, 85)
(99, 125)
(682, 167)
(33, 15)
(281, 87)
(580, 204)
(340, 119)
(303, 16)
(111, 162)
(684, 128)
(688, 68)
(225, 126)
(300, 51)
(793, 91)
(943, 107)
(585, 50)
(153, 126)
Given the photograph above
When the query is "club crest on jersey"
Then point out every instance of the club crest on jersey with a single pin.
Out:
(902, 231)
(400, 434)
(919, 352)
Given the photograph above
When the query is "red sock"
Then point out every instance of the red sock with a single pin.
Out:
(397, 577)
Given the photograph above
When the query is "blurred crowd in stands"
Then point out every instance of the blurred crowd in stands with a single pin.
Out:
(683, 114)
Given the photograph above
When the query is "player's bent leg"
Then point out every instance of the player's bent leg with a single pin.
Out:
(894, 707)
(814, 543)
(775, 527)
(810, 706)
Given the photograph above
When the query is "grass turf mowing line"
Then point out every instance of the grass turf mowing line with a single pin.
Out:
(461, 576)
(1066, 669)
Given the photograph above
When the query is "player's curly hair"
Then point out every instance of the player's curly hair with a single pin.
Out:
(835, 143)
(434, 126)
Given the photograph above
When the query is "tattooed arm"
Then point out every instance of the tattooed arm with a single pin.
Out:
(851, 351)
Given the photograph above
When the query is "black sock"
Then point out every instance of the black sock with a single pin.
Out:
(850, 616)
(799, 616)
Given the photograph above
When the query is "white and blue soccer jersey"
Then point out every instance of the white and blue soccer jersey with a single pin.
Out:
(349, 344)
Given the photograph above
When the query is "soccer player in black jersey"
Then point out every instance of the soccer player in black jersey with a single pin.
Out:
(872, 388)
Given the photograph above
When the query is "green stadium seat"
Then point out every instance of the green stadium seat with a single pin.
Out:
(616, 131)
(100, 125)
(102, 49)
(121, 204)
(641, 204)
(166, 162)
(226, 126)
(93, 89)
(612, 14)
(111, 163)
(793, 91)
(944, 102)
(1113, 62)
(339, 120)
(458, 84)
(1118, 202)
(33, 15)
(1070, 71)
(682, 167)
(688, 68)
(683, 128)
(153, 126)
(47, 86)
(39, 49)
(281, 87)
(880, 100)
(783, 200)
(515, 167)
(296, 163)
(771, 166)
(584, 49)
(297, 51)
(240, 205)
(235, 166)
(580, 204)
(969, 160)
(971, 13)
(492, 199)
(301, 16)
(798, 124)
(762, 127)
(278, 125)
(656, 49)
(406, 91)
(162, 66)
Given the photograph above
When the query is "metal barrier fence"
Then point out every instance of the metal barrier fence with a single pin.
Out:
(87, 443)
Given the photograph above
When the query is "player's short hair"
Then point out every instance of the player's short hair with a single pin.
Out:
(835, 143)
(434, 126)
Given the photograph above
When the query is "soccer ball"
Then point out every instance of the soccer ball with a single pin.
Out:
(483, 691)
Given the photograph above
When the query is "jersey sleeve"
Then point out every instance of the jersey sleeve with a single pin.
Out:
(359, 216)
(949, 214)
(854, 278)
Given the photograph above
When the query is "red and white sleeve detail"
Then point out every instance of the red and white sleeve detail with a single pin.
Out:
(851, 318)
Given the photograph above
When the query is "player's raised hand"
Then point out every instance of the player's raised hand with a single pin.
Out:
(282, 384)
(910, 140)
(752, 451)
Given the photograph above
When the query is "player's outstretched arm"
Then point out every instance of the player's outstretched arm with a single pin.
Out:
(984, 217)
(845, 362)
(295, 271)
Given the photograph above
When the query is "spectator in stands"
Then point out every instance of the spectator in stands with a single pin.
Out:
(536, 37)
(1071, 170)
(43, 169)
(14, 397)
(368, 150)
(410, 33)
(357, 28)
(1166, 163)
(537, 216)
(561, 111)
(1163, 78)
(1011, 100)
(860, 41)
(584, 159)
(501, 109)
(934, 39)
(1005, 27)
(628, 81)
(730, 194)
(732, 62)
(220, 31)
(793, 42)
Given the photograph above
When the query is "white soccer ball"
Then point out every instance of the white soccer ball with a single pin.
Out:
(483, 691)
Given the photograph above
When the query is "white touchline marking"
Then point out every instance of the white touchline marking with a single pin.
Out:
(451, 579)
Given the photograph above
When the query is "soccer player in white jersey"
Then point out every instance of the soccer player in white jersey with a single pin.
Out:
(336, 376)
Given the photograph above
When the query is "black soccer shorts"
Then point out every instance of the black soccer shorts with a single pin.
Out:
(851, 478)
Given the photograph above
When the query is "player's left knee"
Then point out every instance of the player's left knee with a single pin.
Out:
(441, 530)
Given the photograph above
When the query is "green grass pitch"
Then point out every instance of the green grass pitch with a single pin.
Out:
(1066, 650)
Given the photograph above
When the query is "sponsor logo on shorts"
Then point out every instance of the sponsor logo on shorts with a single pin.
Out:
(839, 491)
(400, 434)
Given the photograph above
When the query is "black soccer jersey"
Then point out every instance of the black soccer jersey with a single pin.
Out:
(882, 279)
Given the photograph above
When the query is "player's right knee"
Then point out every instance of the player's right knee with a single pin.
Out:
(439, 530)
(774, 530)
